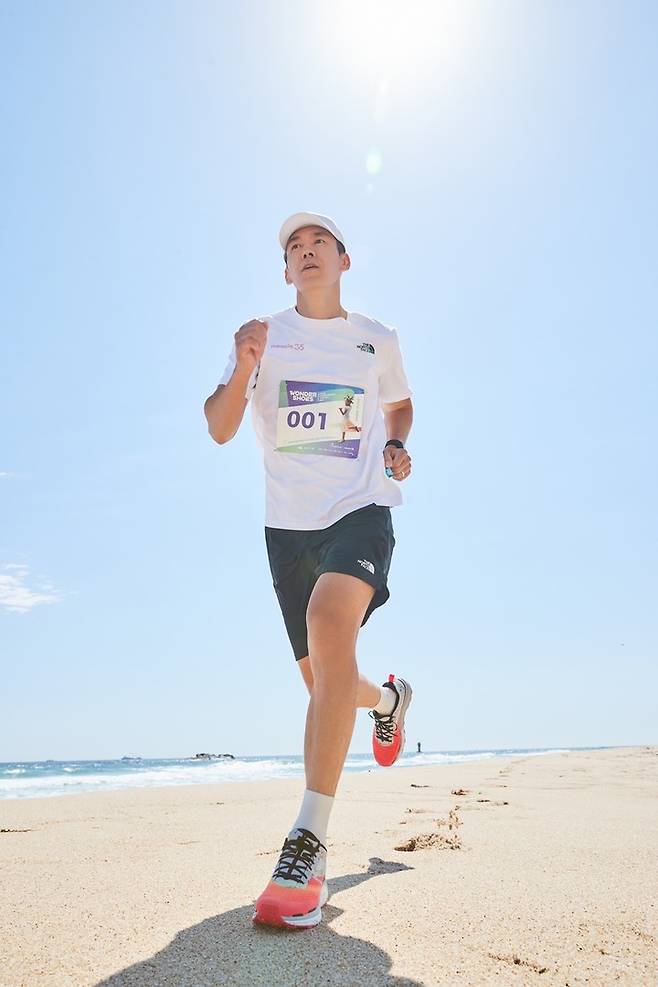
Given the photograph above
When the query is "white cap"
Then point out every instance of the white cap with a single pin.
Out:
(299, 219)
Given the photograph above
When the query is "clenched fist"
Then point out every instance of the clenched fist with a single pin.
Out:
(250, 340)
(398, 462)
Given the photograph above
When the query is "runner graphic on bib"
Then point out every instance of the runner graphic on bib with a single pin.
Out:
(324, 419)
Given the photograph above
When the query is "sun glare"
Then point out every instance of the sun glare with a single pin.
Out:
(401, 41)
(398, 57)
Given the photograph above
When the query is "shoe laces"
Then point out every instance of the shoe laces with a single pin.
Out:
(384, 726)
(298, 857)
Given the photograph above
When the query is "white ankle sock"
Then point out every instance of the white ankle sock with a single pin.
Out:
(314, 814)
(387, 701)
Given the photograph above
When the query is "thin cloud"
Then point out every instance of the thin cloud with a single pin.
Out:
(17, 596)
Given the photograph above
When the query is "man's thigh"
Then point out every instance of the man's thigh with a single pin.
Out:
(338, 604)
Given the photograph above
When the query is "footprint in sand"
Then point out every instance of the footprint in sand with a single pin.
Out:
(426, 840)
(441, 841)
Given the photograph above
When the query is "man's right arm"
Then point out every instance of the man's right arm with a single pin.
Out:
(224, 410)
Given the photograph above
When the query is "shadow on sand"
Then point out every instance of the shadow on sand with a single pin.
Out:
(231, 951)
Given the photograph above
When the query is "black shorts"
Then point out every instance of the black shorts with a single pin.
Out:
(359, 544)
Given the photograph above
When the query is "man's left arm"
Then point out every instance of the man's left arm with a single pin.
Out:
(398, 417)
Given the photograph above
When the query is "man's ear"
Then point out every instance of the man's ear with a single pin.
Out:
(346, 262)
(286, 275)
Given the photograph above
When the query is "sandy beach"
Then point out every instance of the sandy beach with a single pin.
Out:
(526, 870)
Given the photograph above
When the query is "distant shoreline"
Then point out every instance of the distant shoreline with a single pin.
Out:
(49, 779)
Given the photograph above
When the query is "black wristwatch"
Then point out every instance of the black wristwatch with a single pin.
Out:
(396, 443)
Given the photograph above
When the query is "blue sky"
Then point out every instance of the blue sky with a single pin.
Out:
(493, 168)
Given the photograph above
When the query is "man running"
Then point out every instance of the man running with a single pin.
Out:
(331, 407)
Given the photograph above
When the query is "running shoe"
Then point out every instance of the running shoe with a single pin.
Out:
(388, 733)
(298, 889)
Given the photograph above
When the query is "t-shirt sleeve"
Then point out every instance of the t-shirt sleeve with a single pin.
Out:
(228, 373)
(393, 383)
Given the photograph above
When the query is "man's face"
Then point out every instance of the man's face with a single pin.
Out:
(313, 258)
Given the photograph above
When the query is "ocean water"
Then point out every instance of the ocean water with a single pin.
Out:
(41, 779)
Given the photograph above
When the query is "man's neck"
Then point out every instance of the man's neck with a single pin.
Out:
(320, 306)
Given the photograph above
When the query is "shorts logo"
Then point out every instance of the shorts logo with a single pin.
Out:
(287, 346)
(366, 348)
(367, 565)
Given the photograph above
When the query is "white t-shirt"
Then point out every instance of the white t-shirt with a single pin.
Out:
(316, 401)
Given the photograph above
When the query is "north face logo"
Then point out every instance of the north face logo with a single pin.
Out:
(366, 347)
(367, 565)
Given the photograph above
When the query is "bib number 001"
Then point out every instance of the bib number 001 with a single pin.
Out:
(319, 418)
(307, 419)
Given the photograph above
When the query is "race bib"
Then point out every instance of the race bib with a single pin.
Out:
(324, 419)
